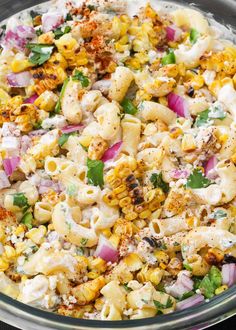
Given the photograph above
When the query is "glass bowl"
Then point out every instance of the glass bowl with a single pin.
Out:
(202, 316)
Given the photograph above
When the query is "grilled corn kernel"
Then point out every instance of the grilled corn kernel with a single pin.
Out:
(46, 101)
(145, 214)
(19, 65)
(92, 275)
(188, 143)
(133, 262)
(89, 291)
(46, 38)
(110, 199)
(97, 147)
(37, 234)
(4, 96)
(131, 216)
(175, 132)
(4, 265)
(2, 234)
(120, 189)
(58, 60)
(125, 202)
(19, 230)
(9, 252)
(161, 126)
(221, 289)
(114, 239)
(161, 256)
(97, 264)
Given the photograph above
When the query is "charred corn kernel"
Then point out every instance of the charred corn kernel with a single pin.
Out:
(123, 227)
(89, 291)
(4, 96)
(161, 256)
(46, 101)
(37, 235)
(133, 262)
(24, 278)
(99, 303)
(154, 205)
(97, 264)
(85, 140)
(223, 138)
(162, 266)
(190, 221)
(114, 239)
(50, 227)
(125, 201)
(2, 234)
(150, 195)
(97, 147)
(142, 95)
(46, 38)
(140, 223)
(140, 208)
(131, 216)
(124, 173)
(19, 65)
(198, 82)
(221, 289)
(122, 195)
(161, 126)
(119, 189)
(153, 275)
(92, 275)
(58, 60)
(9, 252)
(175, 132)
(188, 143)
(106, 232)
(110, 199)
(111, 67)
(4, 265)
(214, 256)
(133, 63)
(128, 209)
(145, 214)
(19, 230)
(119, 27)
(170, 70)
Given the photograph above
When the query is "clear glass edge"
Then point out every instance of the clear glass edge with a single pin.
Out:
(202, 316)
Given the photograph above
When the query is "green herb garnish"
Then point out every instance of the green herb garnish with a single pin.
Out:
(79, 76)
(187, 266)
(58, 105)
(91, 7)
(64, 138)
(69, 17)
(95, 172)
(168, 304)
(38, 32)
(203, 119)
(157, 181)
(40, 53)
(59, 32)
(211, 282)
(20, 200)
(27, 220)
(197, 180)
(83, 241)
(169, 58)
(187, 295)
(194, 34)
(206, 117)
(218, 215)
(129, 107)
(126, 287)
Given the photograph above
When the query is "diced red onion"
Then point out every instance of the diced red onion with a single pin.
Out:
(19, 37)
(4, 182)
(179, 174)
(179, 105)
(31, 99)
(71, 128)
(46, 184)
(10, 129)
(51, 21)
(37, 132)
(229, 274)
(106, 250)
(10, 164)
(190, 302)
(183, 284)
(173, 33)
(25, 144)
(22, 79)
(112, 152)
(209, 167)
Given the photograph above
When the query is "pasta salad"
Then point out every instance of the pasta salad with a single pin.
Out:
(118, 155)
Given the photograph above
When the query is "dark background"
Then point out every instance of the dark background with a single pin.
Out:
(8, 8)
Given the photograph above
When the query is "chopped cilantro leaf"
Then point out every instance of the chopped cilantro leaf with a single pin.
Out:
(194, 34)
(91, 7)
(69, 17)
(188, 267)
(79, 76)
(216, 111)
(85, 148)
(168, 304)
(169, 58)
(40, 53)
(157, 181)
(59, 32)
(129, 107)
(126, 287)
(20, 200)
(83, 241)
(95, 172)
(197, 281)
(197, 180)
(58, 105)
(187, 295)
(64, 138)
(27, 220)
(211, 282)
(203, 119)
(38, 32)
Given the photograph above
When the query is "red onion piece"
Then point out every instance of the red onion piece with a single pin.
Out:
(19, 37)
(179, 174)
(112, 152)
(178, 104)
(22, 79)
(71, 128)
(25, 144)
(51, 21)
(4, 182)
(46, 184)
(38, 132)
(209, 167)
(31, 99)
(183, 284)
(10, 164)
(229, 274)
(190, 302)
(173, 33)
(106, 250)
